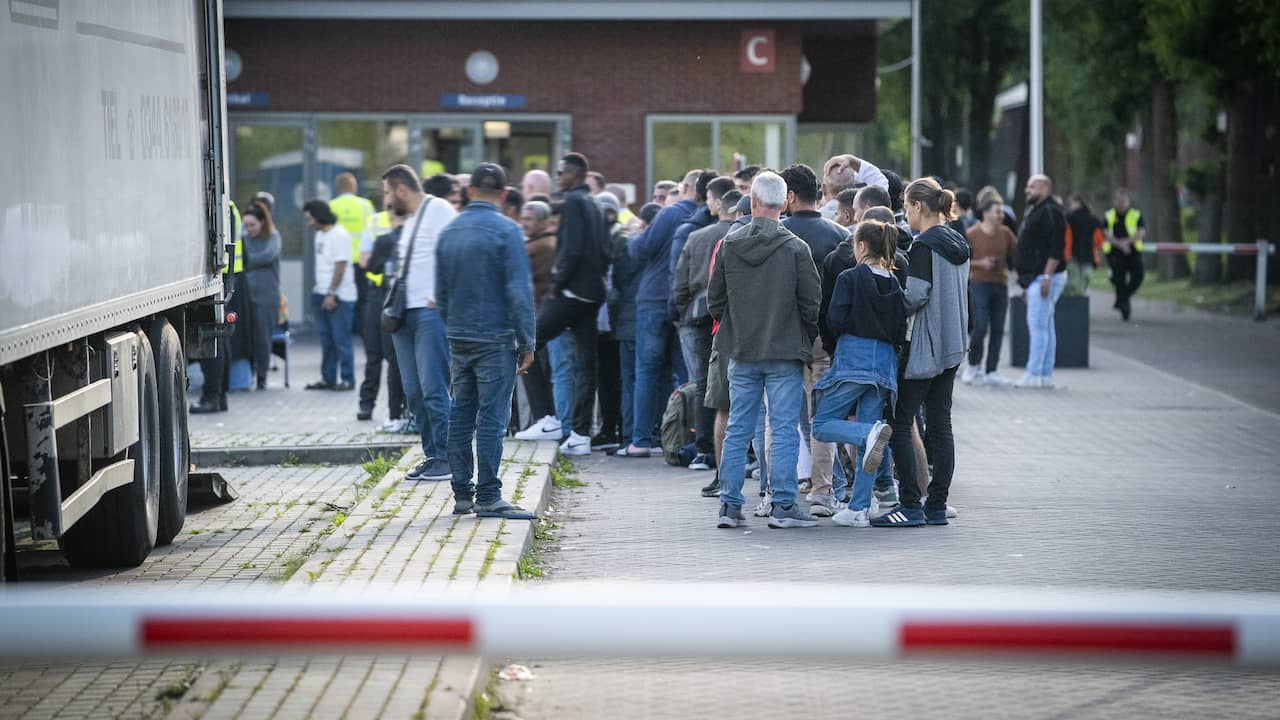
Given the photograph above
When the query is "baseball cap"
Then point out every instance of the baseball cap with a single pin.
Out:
(489, 176)
(608, 200)
(744, 205)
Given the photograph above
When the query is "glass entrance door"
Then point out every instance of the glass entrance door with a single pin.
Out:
(270, 157)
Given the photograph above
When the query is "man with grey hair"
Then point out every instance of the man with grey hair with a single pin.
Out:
(535, 182)
(843, 172)
(765, 293)
(663, 192)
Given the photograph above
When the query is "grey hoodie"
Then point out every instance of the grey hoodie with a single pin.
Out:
(937, 298)
(765, 292)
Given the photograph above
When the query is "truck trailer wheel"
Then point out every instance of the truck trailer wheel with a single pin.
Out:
(120, 531)
(175, 443)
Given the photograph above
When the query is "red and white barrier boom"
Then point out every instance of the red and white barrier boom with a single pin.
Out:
(619, 620)
(1261, 248)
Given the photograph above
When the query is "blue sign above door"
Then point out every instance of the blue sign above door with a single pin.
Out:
(469, 101)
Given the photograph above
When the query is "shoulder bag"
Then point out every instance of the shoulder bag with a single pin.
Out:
(394, 306)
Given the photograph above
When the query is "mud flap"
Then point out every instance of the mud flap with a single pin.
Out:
(206, 489)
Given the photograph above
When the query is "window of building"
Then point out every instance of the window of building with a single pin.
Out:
(677, 144)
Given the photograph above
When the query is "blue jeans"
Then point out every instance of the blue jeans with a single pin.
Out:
(831, 424)
(783, 381)
(989, 305)
(762, 452)
(484, 374)
(560, 353)
(334, 329)
(657, 354)
(627, 356)
(423, 352)
(1041, 331)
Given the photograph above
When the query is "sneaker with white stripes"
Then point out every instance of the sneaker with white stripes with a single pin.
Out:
(900, 517)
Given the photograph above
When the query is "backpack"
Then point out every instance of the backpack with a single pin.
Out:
(677, 424)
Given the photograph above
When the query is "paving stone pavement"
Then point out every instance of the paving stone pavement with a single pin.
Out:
(295, 528)
(1126, 477)
(293, 416)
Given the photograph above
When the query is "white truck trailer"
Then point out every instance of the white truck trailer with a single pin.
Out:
(113, 235)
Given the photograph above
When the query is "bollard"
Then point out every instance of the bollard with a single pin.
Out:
(1260, 282)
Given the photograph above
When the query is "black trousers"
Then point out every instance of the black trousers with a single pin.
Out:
(217, 375)
(378, 348)
(609, 375)
(537, 387)
(1126, 274)
(557, 315)
(934, 394)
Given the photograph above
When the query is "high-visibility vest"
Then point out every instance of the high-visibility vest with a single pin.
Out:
(237, 262)
(1131, 217)
(431, 167)
(353, 213)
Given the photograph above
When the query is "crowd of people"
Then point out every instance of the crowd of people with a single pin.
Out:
(819, 321)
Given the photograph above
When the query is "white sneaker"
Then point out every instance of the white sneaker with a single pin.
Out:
(877, 440)
(764, 507)
(548, 428)
(851, 518)
(970, 374)
(1028, 381)
(821, 505)
(576, 445)
(880, 509)
(394, 426)
(951, 512)
(995, 380)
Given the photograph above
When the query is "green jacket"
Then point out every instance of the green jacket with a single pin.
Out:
(765, 293)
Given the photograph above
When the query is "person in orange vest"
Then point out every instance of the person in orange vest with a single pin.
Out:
(1125, 233)
(1085, 238)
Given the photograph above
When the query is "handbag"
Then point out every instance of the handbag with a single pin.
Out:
(395, 304)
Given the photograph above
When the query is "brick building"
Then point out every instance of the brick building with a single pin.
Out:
(646, 90)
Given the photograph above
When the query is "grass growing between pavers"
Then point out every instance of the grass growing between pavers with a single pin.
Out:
(564, 475)
(375, 468)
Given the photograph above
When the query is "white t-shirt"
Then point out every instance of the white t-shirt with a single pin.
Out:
(422, 266)
(332, 247)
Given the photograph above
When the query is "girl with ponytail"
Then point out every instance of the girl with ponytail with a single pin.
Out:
(868, 315)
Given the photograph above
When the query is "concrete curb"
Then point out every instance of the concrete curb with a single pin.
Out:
(283, 454)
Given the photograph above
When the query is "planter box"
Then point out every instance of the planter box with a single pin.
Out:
(1071, 318)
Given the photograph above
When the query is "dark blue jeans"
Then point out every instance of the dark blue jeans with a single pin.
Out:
(484, 374)
(423, 353)
(334, 329)
(657, 362)
(989, 306)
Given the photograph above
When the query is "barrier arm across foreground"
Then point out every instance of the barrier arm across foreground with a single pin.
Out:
(621, 620)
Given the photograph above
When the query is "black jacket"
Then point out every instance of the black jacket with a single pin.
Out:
(1043, 236)
(820, 234)
(582, 247)
(868, 305)
(836, 262)
(1083, 224)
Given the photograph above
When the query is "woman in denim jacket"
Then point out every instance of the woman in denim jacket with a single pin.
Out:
(868, 315)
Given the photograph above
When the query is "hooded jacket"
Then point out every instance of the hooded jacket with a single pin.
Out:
(765, 293)
(937, 300)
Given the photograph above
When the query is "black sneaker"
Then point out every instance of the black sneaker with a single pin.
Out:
(902, 517)
(935, 517)
(435, 471)
(605, 441)
(703, 461)
(712, 490)
(365, 414)
(416, 472)
(463, 506)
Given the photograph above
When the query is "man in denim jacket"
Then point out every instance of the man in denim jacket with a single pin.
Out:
(485, 297)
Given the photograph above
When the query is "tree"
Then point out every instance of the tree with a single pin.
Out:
(1232, 49)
